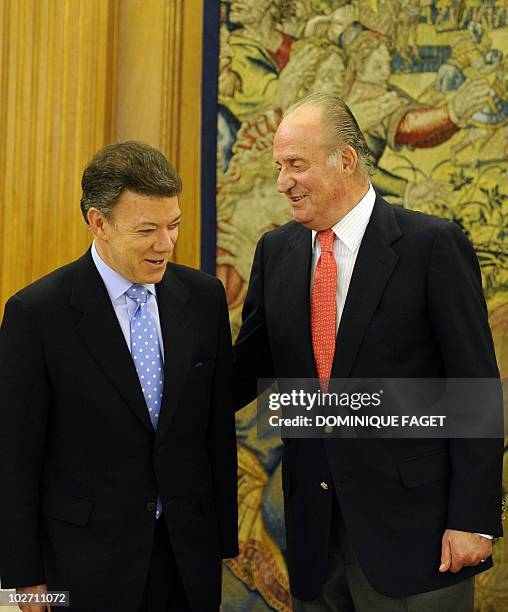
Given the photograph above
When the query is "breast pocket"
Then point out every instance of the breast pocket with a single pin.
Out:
(202, 369)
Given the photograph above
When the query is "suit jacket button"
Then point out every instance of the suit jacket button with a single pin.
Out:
(324, 486)
(151, 506)
(328, 429)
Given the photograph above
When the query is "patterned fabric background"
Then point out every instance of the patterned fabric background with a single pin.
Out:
(428, 82)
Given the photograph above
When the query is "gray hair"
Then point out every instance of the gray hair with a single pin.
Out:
(130, 165)
(341, 126)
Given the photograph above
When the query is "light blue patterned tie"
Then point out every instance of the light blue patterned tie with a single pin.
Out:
(146, 353)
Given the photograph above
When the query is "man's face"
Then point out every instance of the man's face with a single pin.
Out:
(139, 237)
(312, 184)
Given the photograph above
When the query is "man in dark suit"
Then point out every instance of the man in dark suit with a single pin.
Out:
(118, 454)
(354, 287)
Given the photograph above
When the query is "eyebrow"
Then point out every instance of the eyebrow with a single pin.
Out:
(152, 224)
(292, 157)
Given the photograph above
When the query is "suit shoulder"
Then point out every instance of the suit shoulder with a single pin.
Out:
(419, 221)
(283, 232)
(275, 240)
(427, 235)
(425, 228)
(49, 288)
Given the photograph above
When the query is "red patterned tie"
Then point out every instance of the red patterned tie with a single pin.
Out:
(323, 308)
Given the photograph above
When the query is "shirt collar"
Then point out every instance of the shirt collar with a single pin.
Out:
(351, 228)
(116, 284)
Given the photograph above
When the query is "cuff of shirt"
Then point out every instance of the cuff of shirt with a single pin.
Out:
(485, 535)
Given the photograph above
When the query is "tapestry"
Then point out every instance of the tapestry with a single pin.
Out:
(428, 83)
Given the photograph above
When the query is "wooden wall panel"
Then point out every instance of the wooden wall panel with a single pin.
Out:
(159, 96)
(57, 68)
(139, 110)
(183, 136)
(75, 75)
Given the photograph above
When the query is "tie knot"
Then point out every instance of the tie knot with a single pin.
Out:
(326, 238)
(138, 293)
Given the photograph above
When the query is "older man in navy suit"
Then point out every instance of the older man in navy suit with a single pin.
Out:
(354, 287)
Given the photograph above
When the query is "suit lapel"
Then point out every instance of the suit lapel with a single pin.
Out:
(101, 333)
(373, 268)
(295, 287)
(177, 332)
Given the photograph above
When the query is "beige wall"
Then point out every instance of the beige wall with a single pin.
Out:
(75, 75)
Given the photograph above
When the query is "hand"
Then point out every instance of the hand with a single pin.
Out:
(471, 97)
(369, 113)
(462, 549)
(317, 26)
(34, 607)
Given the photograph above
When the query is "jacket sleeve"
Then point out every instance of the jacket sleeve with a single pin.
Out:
(222, 435)
(24, 403)
(252, 354)
(460, 322)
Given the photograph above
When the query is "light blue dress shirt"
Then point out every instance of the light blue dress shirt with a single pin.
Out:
(124, 307)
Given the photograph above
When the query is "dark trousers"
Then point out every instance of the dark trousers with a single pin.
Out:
(164, 590)
(346, 588)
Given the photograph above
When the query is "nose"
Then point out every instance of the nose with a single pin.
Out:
(285, 182)
(165, 241)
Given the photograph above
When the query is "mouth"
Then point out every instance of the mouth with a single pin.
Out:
(156, 263)
(295, 200)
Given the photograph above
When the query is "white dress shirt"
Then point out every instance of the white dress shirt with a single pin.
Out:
(349, 233)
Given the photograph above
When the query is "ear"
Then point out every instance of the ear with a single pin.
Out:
(98, 223)
(349, 160)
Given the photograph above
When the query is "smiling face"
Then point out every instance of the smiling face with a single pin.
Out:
(313, 185)
(139, 236)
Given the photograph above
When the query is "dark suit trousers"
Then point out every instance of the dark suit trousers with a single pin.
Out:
(346, 588)
(164, 590)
